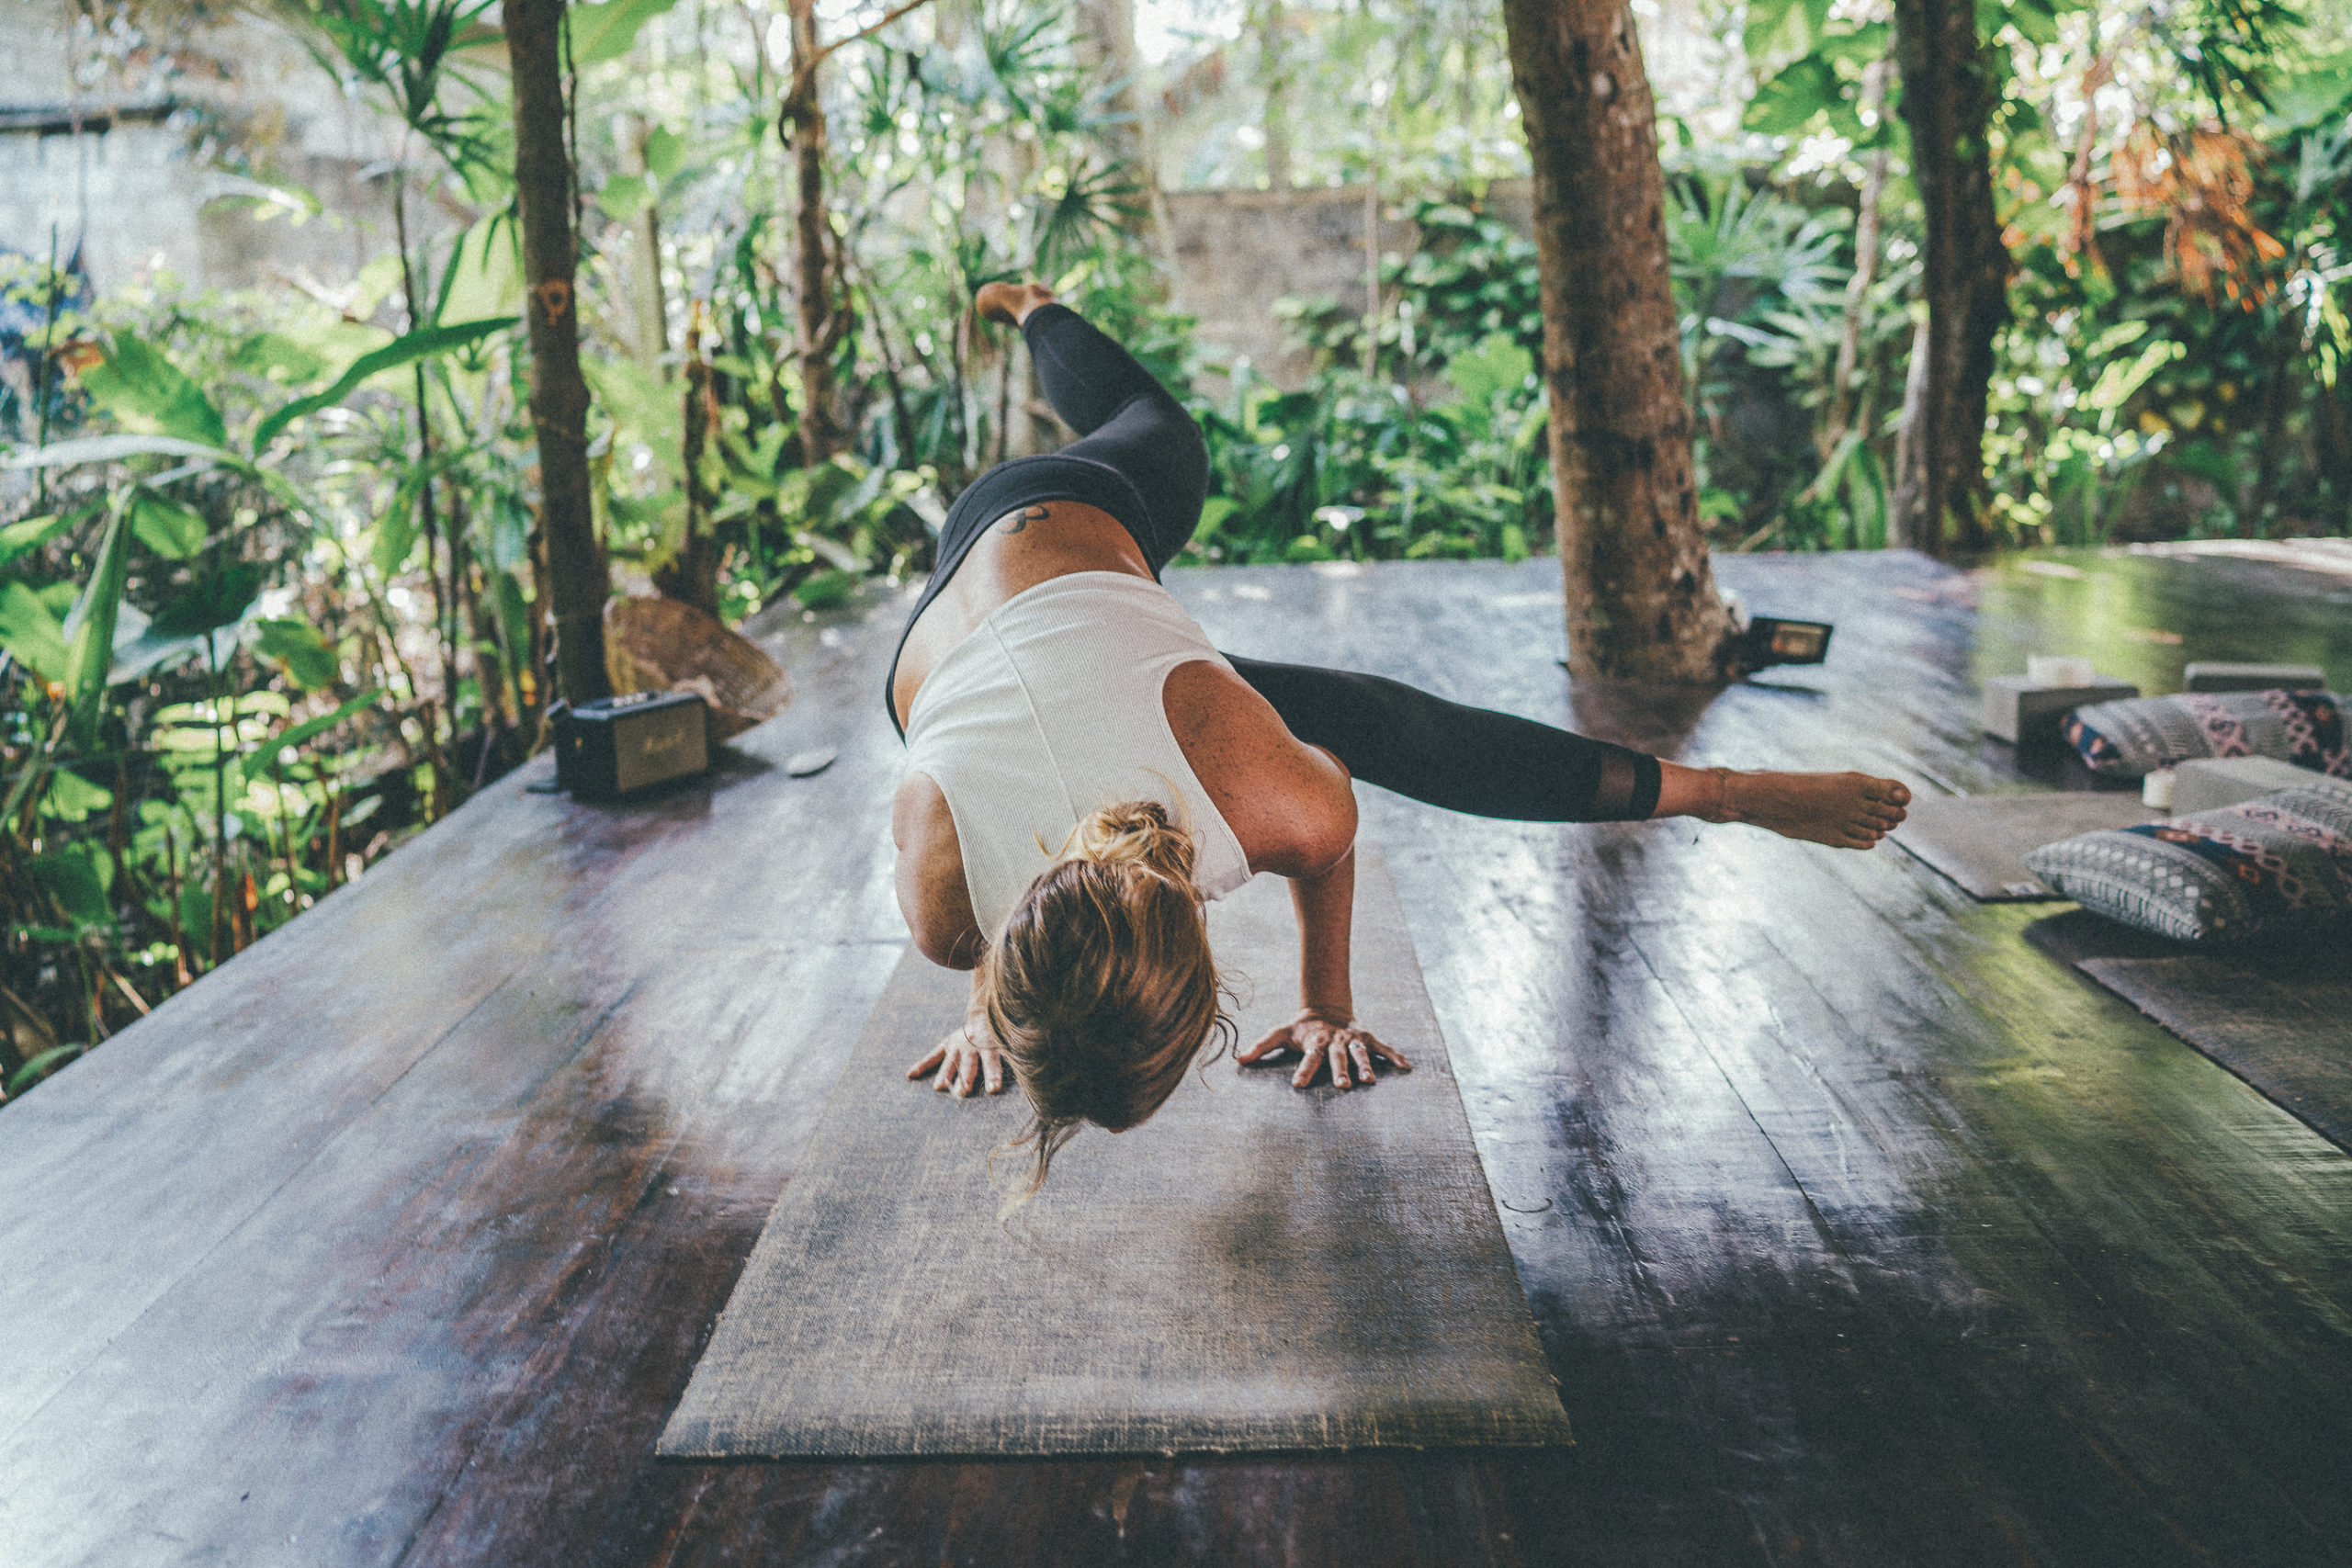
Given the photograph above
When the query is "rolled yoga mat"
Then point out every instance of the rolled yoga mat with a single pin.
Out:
(1981, 842)
(1257, 1267)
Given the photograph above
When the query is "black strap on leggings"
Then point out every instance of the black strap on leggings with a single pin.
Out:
(1463, 758)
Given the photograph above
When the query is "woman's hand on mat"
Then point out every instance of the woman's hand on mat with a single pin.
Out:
(970, 1052)
(1327, 1040)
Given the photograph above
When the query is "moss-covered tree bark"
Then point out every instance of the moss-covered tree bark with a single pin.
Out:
(1948, 99)
(575, 586)
(1642, 603)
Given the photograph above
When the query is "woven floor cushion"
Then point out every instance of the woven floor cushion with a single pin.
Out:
(2280, 865)
(2138, 735)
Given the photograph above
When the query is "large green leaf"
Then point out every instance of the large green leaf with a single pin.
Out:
(165, 526)
(152, 395)
(422, 343)
(114, 449)
(1802, 90)
(624, 196)
(76, 878)
(71, 798)
(1780, 27)
(23, 538)
(211, 601)
(91, 652)
(297, 646)
(484, 274)
(395, 540)
(665, 150)
(607, 31)
(310, 729)
(30, 634)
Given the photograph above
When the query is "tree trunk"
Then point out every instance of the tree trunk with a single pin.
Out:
(1641, 598)
(1273, 67)
(1947, 102)
(1106, 53)
(822, 322)
(1843, 413)
(691, 577)
(645, 234)
(576, 585)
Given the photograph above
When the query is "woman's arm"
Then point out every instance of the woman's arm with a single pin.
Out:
(1293, 809)
(937, 904)
(933, 895)
(1325, 1033)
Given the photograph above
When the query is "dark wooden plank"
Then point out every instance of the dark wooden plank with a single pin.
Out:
(1859, 1232)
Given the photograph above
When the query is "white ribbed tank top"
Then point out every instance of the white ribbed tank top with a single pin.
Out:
(1049, 711)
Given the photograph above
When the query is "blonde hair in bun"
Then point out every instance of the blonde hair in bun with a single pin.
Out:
(1101, 988)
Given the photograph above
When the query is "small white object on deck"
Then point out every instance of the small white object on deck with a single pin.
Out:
(2059, 669)
(2156, 788)
(801, 764)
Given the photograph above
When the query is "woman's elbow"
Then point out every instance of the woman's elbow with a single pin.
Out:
(949, 945)
(1322, 838)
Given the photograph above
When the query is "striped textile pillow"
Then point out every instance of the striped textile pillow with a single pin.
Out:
(2138, 735)
(2277, 865)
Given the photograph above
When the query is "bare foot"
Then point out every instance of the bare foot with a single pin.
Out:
(1846, 811)
(1009, 303)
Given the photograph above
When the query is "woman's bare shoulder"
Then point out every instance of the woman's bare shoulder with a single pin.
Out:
(1288, 803)
(932, 894)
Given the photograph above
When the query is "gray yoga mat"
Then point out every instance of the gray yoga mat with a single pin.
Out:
(2288, 1034)
(1256, 1269)
(1981, 842)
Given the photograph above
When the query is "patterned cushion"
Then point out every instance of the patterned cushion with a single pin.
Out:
(2280, 863)
(2141, 734)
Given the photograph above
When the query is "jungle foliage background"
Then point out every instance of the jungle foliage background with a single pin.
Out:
(268, 596)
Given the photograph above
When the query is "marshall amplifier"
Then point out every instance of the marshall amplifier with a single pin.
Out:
(618, 746)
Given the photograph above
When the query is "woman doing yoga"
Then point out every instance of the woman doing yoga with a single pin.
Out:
(1084, 768)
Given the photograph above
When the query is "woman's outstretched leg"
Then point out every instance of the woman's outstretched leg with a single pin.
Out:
(1498, 764)
(1125, 420)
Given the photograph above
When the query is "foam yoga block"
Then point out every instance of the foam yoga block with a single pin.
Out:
(2208, 676)
(2021, 711)
(2278, 864)
(2209, 784)
(2129, 739)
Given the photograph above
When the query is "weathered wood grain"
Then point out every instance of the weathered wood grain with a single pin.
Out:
(1859, 1232)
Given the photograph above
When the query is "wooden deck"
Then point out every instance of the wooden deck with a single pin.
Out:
(1858, 1231)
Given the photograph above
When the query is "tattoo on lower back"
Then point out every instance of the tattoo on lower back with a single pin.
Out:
(1028, 514)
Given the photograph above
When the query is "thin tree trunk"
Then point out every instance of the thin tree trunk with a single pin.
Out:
(1842, 410)
(1947, 102)
(1274, 66)
(691, 576)
(803, 125)
(652, 309)
(2278, 398)
(576, 585)
(1640, 597)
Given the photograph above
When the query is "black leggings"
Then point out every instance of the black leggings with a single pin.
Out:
(1140, 458)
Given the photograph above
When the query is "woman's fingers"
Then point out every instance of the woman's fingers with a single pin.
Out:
(1311, 1063)
(1279, 1040)
(992, 1064)
(1335, 1051)
(1387, 1053)
(1363, 1057)
(922, 1068)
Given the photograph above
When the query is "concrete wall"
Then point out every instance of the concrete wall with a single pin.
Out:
(1238, 252)
(129, 190)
